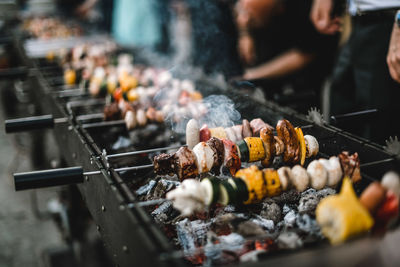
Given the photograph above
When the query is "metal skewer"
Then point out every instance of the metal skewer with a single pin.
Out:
(62, 176)
(376, 162)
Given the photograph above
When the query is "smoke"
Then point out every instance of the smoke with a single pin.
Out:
(221, 112)
(214, 110)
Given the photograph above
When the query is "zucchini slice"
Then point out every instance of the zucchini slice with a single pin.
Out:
(242, 192)
(227, 194)
(212, 188)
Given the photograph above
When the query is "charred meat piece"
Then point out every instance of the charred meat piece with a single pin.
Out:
(112, 112)
(231, 156)
(218, 146)
(164, 164)
(288, 135)
(257, 124)
(350, 165)
(185, 166)
(246, 130)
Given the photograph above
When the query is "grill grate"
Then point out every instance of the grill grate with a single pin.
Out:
(129, 230)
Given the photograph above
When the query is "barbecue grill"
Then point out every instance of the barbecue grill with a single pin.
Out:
(108, 184)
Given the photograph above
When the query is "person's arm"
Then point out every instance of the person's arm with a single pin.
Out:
(285, 64)
(393, 57)
(321, 17)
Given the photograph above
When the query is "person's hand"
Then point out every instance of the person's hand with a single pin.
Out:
(247, 50)
(393, 57)
(321, 17)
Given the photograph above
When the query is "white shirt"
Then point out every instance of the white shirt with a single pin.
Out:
(367, 5)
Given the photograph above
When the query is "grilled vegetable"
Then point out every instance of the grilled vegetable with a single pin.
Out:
(243, 150)
(70, 77)
(256, 148)
(342, 216)
(227, 193)
(211, 186)
(302, 143)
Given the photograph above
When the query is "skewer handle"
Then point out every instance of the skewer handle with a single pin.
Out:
(29, 123)
(47, 178)
(14, 73)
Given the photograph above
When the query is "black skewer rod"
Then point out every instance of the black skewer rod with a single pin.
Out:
(103, 124)
(131, 153)
(132, 168)
(58, 177)
(147, 203)
(376, 162)
(346, 116)
(41, 122)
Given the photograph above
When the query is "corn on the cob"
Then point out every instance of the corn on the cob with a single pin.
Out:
(256, 148)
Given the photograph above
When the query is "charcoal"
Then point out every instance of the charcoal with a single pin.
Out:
(308, 203)
(307, 224)
(287, 197)
(289, 240)
(286, 208)
(271, 211)
(163, 187)
(268, 225)
(164, 213)
(191, 234)
(122, 142)
(252, 256)
(249, 228)
(223, 224)
(145, 189)
(310, 191)
(232, 242)
(290, 218)
(326, 192)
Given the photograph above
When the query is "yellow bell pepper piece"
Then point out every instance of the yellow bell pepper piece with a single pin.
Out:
(69, 77)
(132, 95)
(342, 216)
(300, 136)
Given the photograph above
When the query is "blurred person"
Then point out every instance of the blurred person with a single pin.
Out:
(135, 23)
(280, 47)
(84, 9)
(214, 36)
(367, 73)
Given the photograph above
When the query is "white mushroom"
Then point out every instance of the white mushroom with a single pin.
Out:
(204, 156)
(334, 170)
(391, 181)
(285, 174)
(141, 117)
(311, 145)
(130, 120)
(192, 133)
(318, 174)
(189, 197)
(300, 178)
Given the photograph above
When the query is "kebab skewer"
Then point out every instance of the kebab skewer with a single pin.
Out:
(251, 185)
(217, 153)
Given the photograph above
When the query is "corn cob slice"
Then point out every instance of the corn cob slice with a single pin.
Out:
(273, 184)
(256, 148)
(255, 182)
